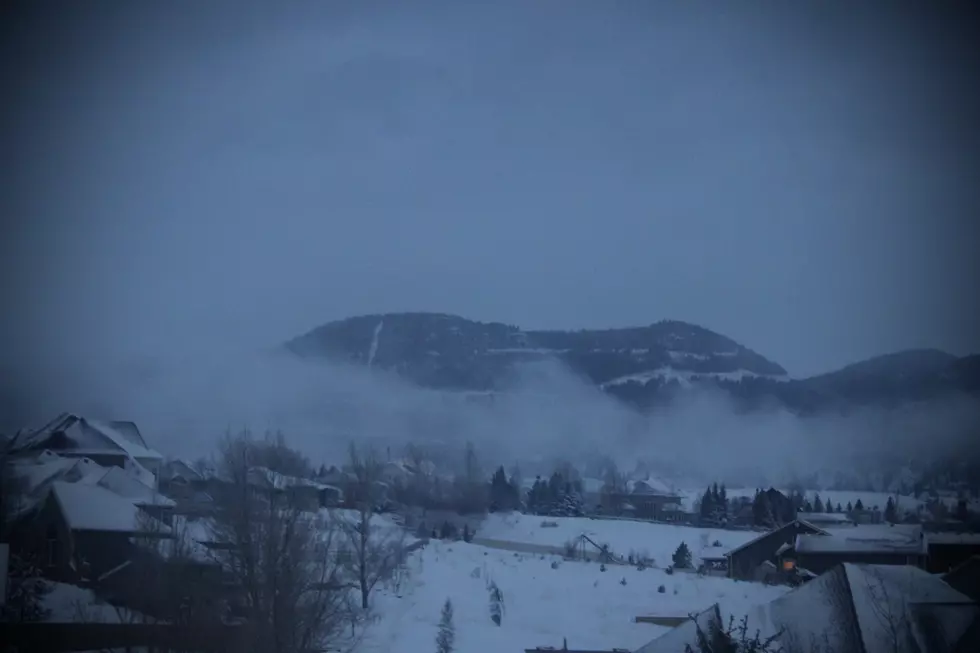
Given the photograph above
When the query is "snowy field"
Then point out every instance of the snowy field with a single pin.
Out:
(623, 536)
(577, 601)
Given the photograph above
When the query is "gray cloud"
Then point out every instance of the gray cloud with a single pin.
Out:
(193, 184)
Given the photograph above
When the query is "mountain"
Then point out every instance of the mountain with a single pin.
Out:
(643, 366)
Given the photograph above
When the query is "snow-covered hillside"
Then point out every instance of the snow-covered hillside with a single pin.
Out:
(542, 605)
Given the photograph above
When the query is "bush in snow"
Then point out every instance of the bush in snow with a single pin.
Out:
(447, 631)
(670, 570)
(554, 564)
(662, 589)
(623, 581)
(733, 639)
(26, 589)
(496, 604)
(682, 557)
(602, 567)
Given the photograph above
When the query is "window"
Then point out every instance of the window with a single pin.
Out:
(51, 548)
(789, 565)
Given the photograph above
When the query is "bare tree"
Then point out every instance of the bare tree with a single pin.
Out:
(373, 553)
(25, 586)
(890, 611)
(283, 560)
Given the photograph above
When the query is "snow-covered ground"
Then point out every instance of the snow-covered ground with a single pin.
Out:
(70, 604)
(577, 601)
(623, 536)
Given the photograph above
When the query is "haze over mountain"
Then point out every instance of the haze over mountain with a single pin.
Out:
(189, 187)
(644, 366)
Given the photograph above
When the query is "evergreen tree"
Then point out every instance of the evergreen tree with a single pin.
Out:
(707, 505)
(839, 509)
(850, 508)
(720, 513)
(817, 504)
(448, 531)
(858, 505)
(829, 506)
(807, 506)
(514, 491)
(501, 492)
(891, 513)
(682, 557)
(762, 511)
(467, 535)
(446, 637)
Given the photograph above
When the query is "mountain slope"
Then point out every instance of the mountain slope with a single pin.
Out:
(643, 366)
(450, 352)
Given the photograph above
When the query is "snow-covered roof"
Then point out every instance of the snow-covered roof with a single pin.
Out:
(123, 483)
(180, 468)
(891, 590)
(792, 524)
(873, 600)
(685, 635)
(94, 508)
(90, 435)
(843, 544)
(282, 481)
(825, 517)
(650, 485)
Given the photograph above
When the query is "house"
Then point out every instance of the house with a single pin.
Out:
(948, 550)
(745, 562)
(187, 487)
(308, 494)
(857, 608)
(869, 545)
(113, 443)
(650, 498)
(85, 530)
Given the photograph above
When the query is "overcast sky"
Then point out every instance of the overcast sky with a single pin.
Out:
(202, 174)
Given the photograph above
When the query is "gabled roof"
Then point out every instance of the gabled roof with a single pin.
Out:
(87, 434)
(173, 469)
(866, 539)
(93, 508)
(816, 530)
(864, 608)
(650, 486)
(686, 635)
(121, 482)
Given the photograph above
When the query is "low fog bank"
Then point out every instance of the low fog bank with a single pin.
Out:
(183, 404)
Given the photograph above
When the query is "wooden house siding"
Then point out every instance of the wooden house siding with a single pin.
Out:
(944, 556)
(744, 561)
